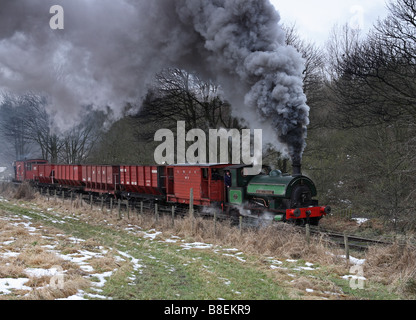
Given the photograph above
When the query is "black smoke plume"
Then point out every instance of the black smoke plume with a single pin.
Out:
(109, 51)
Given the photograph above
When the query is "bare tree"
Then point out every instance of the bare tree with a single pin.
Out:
(78, 142)
(27, 125)
(40, 126)
(178, 95)
(373, 79)
(16, 113)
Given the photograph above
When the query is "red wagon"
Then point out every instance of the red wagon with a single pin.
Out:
(101, 179)
(207, 182)
(46, 173)
(68, 175)
(148, 180)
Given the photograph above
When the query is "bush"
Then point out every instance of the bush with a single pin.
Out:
(24, 192)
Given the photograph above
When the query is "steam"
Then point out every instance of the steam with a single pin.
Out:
(109, 51)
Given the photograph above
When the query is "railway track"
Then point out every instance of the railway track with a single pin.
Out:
(354, 242)
(246, 221)
(131, 206)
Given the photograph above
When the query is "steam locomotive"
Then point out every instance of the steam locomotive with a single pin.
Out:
(288, 198)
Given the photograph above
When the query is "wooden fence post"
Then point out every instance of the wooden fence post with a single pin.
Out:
(215, 223)
(347, 248)
(191, 203)
(173, 215)
(156, 212)
(308, 233)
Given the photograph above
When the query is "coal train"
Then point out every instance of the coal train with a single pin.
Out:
(286, 197)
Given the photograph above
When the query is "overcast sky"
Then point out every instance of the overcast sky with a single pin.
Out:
(314, 19)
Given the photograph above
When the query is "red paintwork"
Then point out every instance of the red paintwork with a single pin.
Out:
(142, 179)
(314, 213)
(46, 173)
(68, 175)
(101, 179)
(28, 170)
(182, 178)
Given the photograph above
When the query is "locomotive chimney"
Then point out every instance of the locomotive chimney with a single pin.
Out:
(296, 168)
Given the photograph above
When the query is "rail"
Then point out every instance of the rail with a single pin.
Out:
(352, 241)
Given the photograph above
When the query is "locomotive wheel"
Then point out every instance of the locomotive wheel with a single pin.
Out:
(301, 197)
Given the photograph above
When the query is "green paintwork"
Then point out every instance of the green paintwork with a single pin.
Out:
(277, 186)
(278, 217)
(236, 195)
(266, 189)
(274, 187)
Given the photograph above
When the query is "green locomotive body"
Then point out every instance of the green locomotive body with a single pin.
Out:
(287, 197)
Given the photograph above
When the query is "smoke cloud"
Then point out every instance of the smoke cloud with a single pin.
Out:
(109, 51)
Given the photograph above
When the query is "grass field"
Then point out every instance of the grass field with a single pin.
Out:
(50, 250)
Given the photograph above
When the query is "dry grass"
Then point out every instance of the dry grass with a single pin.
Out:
(28, 253)
(277, 240)
(71, 285)
(394, 266)
(25, 244)
(25, 192)
(11, 270)
(38, 257)
(103, 264)
(7, 190)
(281, 240)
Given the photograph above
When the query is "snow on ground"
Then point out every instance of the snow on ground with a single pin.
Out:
(360, 220)
(291, 267)
(354, 261)
(196, 245)
(7, 285)
(81, 258)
